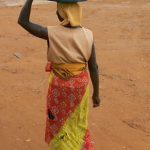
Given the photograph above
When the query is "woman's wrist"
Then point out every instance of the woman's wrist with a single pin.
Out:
(96, 100)
(96, 95)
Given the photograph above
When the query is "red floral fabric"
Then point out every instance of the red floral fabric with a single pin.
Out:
(88, 145)
(62, 99)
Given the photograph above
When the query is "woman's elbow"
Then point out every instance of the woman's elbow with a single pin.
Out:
(94, 68)
(20, 22)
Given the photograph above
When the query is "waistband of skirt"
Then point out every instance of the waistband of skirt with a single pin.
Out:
(66, 70)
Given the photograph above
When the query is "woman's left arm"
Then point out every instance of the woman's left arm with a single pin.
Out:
(33, 28)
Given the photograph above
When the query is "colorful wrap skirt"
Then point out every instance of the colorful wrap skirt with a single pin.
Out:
(67, 113)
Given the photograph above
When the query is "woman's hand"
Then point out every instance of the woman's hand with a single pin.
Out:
(96, 101)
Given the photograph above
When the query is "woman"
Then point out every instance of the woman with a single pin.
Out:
(70, 52)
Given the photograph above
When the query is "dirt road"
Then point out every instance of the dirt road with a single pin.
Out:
(122, 37)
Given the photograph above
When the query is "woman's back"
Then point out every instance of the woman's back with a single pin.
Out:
(69, 45)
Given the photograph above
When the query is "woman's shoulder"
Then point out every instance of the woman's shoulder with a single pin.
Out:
(88, 32)
(86, 28)
(52, 27)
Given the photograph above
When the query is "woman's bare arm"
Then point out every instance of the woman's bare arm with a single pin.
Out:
(24, 21)
(94, 73)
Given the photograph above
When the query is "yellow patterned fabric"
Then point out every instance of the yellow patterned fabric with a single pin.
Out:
(71, 13)
(67, 113)
(51, 76)
(71, 136)
(66, 71)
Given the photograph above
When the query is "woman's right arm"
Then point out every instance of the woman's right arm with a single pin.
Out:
(24, 21)
(94, 74)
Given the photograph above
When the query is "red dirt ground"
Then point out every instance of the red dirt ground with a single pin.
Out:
(122, 37)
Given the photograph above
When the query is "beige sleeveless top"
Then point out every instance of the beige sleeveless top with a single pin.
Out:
(69, 45)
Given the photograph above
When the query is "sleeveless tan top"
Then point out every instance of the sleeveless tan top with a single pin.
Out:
(69, 45)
